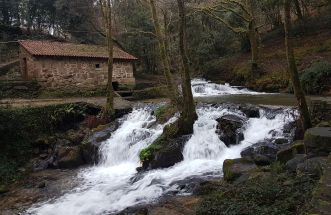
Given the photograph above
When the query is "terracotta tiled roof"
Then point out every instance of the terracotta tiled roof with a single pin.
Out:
(47, 48)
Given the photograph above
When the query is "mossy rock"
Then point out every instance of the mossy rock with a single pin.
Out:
(289, 153)
(164, 113)
(233, 169)
(69, 157)
(318, 141)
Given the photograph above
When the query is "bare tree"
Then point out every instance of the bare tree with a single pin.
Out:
(245, 11)
(106, 9)
(172, 89)
(293, 70)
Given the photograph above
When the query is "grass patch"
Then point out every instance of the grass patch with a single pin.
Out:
(273, 194)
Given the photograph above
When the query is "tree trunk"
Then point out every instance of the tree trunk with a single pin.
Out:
(253, 39)
(302, 104)
(173, 94)
(253, 35)
(109, 110)
(298, 9)
(188, 113)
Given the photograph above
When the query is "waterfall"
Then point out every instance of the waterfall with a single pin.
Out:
(109, 187)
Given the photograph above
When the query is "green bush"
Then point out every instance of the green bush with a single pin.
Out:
(317, 78)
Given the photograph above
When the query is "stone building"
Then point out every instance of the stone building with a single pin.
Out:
(66, 65)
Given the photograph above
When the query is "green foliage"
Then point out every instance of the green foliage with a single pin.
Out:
(272, 82)
(317, 78)
(20, 127)
(164, 113)
(146, 154)
(271, 194)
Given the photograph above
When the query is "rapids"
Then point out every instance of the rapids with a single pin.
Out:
(201, 88)
(113, 184)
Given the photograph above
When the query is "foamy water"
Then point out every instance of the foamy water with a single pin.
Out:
(201, 88)
(109, 188)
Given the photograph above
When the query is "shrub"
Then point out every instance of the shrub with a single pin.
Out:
(271, 194)
(20, 127)
(317, 78)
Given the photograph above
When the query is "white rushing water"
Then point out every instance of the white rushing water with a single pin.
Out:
(201, 88)
(109, 188)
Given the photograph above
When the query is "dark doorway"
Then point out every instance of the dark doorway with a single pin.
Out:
(115, 85)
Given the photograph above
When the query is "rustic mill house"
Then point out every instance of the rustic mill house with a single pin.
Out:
(60, 65)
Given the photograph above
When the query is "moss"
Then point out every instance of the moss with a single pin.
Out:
(164, 113)
(168, 132)
(147, 153)
(259, 196)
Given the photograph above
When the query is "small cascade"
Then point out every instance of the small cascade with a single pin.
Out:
(113, 185)
(201, 88)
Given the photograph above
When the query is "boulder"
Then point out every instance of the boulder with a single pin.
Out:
(312, 166)
(233, 169)
(250, 111)
(168, 155)
(228, 129)
(289, 152)
(318, 141)
(90, 146)
(263, 153)
(69, 157)
(292, 164)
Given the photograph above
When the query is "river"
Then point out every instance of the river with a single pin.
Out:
(113, 185)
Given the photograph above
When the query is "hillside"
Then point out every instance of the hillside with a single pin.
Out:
(310, 45)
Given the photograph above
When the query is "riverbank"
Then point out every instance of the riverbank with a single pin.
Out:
(140, 129)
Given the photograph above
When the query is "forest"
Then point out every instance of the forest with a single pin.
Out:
(165, 107)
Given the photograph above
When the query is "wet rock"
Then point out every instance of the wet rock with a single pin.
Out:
(289, 152)
(121, 112)
(250, 111)
(318, 141)
(271, 113)
(75, 137)
(281, 141)
(229, 129)
(312, 166)
(169, 155)
(292, 164)
(42, 164)
(69, 157)
(90, 146)
(233, 169)
(263, 153)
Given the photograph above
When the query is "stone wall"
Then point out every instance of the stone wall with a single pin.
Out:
(83, 73)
